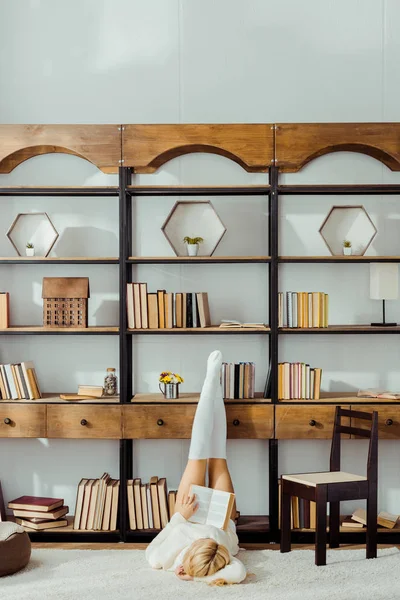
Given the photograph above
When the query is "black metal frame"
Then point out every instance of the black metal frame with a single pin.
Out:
(126, 193)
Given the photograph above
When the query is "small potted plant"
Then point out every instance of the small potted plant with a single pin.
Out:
(347, 248)
(30, 249)
(193, 244)
(171, 383)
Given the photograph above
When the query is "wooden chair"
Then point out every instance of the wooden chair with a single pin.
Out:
(335, 486)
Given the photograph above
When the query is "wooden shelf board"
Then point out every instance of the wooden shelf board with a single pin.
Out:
(340, 329)
(338, 259)
(68, 190)
(192, 398)
(333, 189)
(341, 398)
(29, 329)
(197, 259)
(203, 330)
(196, 190)
(67, 529)
(58, 259)
(54, 398)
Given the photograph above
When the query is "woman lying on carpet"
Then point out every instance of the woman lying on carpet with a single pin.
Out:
(194, 551)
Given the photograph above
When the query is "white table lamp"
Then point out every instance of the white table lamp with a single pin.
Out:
(384, 285)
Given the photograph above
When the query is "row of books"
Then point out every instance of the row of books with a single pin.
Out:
(19, 382)
(238, 380)
(166, 310)
(303, 309)
(4, 310)
(150, 505)
(97, 504)
(37, 512)
(358, 519)
(298, 381)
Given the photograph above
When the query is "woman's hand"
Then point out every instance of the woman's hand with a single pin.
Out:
(180, 572)
(187, 507)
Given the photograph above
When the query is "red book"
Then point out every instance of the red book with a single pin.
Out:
(36, 503)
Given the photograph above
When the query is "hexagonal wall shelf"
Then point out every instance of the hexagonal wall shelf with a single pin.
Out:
(193, 219)
(351, 223)
(35, 228)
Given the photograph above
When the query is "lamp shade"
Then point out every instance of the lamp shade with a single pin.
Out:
(384, 281)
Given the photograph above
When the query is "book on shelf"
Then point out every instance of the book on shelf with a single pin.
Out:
(150, 505)
(36, 503)
(39, 524)
(298, 381)
(303, 512)
(145, 510)
(214, 506)
(97, 504)
(19, 382)
(96, 391)
(384, 519)
(163, 501)
(238, 380)
(348, 522)
(378, 393)
(155, 505)
(231, 324)
(51, 515)
(165, 310)
(4, 310)
(303, 309)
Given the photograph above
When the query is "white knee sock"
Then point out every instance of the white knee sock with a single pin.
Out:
(210, 399)
(218, 437)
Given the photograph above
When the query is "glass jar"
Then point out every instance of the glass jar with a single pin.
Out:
(110, 383)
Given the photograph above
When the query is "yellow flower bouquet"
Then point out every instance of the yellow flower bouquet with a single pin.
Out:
(169, 377)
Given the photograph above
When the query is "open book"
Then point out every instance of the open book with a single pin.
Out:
(237, 324)
(375, 393)
(215, 507)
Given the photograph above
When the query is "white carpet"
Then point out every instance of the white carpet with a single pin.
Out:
(124, 574)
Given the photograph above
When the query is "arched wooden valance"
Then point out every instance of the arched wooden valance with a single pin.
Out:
(147, 147)
(299, 143)
(99, 144)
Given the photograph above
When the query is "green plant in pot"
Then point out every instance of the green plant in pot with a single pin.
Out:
(347, 248)
(30, 249)
(193, 244)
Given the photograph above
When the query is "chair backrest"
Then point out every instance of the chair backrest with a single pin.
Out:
(371, 434)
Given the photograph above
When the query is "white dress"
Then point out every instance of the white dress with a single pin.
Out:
(168, 548)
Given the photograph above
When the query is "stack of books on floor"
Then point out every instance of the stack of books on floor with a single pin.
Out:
(19, 382)
(97, 504)
(238, 380)
(150, 506)
(358, 520)
(298, 381)
(166, 310)
(303, 309)
(37, 513)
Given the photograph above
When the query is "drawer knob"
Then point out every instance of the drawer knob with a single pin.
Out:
(236, 422)
(84, 423)
(7, 421)
(160, 422)
(389, 422)
(312, 423)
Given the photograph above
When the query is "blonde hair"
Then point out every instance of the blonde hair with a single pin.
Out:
(205, 557)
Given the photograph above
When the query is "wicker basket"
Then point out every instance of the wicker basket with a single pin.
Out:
(65, 301)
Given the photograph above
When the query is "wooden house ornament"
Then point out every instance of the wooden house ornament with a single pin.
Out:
(65, 301)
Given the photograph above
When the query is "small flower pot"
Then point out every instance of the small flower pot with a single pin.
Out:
(30, 251)
(347, 251)
(192, 249)
(170, 391)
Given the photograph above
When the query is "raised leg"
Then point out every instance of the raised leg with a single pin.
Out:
(195, 473)
(320, 531)
(372, 510)
(219, 478)
(285, 519)
(334, 524)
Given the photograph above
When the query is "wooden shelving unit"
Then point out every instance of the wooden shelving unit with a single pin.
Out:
(193, 398)
(258, 148)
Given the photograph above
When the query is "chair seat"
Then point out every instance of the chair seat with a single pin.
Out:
(314, 479)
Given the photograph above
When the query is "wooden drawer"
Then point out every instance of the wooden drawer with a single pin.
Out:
(103, 422)
(314, 422)
(174, 421)
(22, 421)
(388, 420)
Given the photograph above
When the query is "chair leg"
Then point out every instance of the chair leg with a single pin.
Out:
(285, 520)
(334, 524)
(320, 531)
(372, 526)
